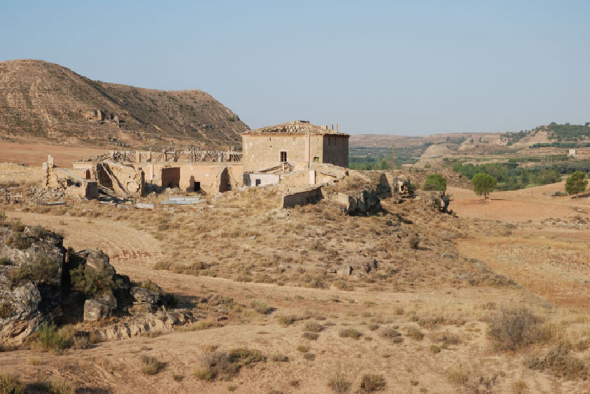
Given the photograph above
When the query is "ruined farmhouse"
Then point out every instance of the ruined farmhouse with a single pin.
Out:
(294, 154)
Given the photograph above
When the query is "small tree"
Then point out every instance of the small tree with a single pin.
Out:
(576, 183)
(483, 184)
(435, 182)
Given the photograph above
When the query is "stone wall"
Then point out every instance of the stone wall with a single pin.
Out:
(303, 197)
(262, 152)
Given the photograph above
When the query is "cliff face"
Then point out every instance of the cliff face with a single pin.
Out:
(49, 102)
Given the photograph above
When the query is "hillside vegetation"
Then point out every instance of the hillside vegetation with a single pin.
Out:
(45, 101)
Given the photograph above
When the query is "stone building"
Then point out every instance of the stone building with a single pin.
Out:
(296, 144)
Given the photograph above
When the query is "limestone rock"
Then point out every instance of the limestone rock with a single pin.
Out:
(145, 296)
(19, 309)
(95, 310)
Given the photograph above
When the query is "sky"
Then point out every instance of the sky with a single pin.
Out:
(404, 67)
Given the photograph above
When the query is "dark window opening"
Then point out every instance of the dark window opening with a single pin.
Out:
(197, 186)
(316, 159)
(258, 181)
(283, 157)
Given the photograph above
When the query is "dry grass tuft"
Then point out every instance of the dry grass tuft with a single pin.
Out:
(350, 333)
(151, 365)
(339, 384)
(372, 382)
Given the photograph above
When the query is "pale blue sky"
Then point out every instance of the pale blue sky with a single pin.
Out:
(392, 67)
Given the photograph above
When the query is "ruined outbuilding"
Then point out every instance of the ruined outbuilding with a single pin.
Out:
(67, 181)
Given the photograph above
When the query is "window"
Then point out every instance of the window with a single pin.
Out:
(316, 159)
(283, 157)
(258, 182)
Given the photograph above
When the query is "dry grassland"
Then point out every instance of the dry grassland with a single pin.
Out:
(421, 320)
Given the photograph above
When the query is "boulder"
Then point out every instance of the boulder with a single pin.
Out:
(145, 296)
(95, 310)
(20, 315)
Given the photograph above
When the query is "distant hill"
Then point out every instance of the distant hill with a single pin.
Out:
(48, 102)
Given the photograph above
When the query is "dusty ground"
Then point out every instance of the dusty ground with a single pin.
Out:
(35, 154)
(540, 242)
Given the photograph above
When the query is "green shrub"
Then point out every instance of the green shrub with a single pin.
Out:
(4, 261)
(41, 269)
(49, 338)
(435, 182)
(246, 356)
(223, 366)
(92, 282)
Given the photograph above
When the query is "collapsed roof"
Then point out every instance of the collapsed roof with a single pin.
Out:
(295, 127)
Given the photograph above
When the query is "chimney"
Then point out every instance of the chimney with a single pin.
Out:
(336, 127)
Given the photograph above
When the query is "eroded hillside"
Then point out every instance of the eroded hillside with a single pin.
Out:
(46, 101)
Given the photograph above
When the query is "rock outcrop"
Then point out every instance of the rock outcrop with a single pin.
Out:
(41, 282)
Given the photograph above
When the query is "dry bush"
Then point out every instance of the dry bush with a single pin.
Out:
(279, 358)
(445, 338)
(312, 327)
(287, 320)
(415, 333)
(350, 333)
(223, 365)
(309, 356)
(560, 363)
(519, 387)
(389, 332)
(151, 365)
(515, 328)
(339, 384)
(372, 382)
(302, 348)
(471, 381)
(10, 385)
(310, 335)
(261, 307)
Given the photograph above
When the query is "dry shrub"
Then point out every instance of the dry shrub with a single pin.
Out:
(446, 338)
(372, 382)
(223, 366)
(312, 327)
(151, 365)
(302, 348)
(515, 328)
(519, 387)
(279, 358)
(415, 333)
(10, 385)
(350, 333)
(261, 307)
(471, 381)
(389, 332)
(287, 320)
(339, 384)
(310, 335)
(560, 363)
(309, 356)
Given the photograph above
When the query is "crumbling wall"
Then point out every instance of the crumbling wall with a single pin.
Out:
(73, 186)
(303, 197)
(124, 179)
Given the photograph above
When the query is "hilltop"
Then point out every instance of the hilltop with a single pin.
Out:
(43, 101)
